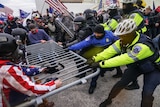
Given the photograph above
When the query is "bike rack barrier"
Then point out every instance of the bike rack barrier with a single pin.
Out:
(51, 55)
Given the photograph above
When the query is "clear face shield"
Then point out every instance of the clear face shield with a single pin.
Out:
(17, 55)
(18, 40)
(75, 27)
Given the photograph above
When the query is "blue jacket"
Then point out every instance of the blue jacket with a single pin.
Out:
(107, 40)
(40, 35)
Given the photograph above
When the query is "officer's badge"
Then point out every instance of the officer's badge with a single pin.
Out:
(136, 49)
(107, 40)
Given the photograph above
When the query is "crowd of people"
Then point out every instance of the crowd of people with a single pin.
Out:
(116, 37)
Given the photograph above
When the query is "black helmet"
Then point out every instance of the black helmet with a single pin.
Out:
(7, 44)
(19, 34)
(88, 13)
(79, 22)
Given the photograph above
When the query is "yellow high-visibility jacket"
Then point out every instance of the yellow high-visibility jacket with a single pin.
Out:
(139, 51)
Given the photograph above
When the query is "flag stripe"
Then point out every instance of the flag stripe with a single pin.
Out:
(61, 4)
(99, 11)
(50, 3)
(5, 9)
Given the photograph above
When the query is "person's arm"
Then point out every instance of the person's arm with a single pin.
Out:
(33, 40)
(30, 71)
(81, 45)
(16, 79)
(138, 52)
(46, 36)
(109, 52)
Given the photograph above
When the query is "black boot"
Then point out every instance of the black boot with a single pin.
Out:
(105, 103)
(134, 85)
(91, 89)
(147, 101)
(118, 74)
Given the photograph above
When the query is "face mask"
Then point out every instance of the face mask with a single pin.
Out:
(34, 31)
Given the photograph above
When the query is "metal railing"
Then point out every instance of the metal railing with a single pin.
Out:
(51, 55)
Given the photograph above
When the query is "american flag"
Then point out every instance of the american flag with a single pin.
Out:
(54, 5)
(59, 6)
(23, 14)
(5, 9)
(3, 17)
(99, 11)
(64, 8)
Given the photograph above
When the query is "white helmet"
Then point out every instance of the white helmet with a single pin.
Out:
(128, 1)
(125, 27)
(112, 6)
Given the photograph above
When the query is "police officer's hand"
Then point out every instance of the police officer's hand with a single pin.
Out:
(95, 65)
(90, 61)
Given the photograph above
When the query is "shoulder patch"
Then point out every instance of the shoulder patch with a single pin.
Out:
(107, 40)
(88, 38)
(136, 49)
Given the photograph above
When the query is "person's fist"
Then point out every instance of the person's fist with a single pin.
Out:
(58, 83)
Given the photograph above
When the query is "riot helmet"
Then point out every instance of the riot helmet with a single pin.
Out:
(88, 13)
(20, 35)
(128, 1)
(128, 5)
(112, 6)
(112, 10)
(8, 48)
(78, 23)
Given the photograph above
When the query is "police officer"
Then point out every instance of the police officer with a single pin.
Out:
(111, 24)
(92, 45)
(131, 10)
(81, 30)
(100, 38)
(90, 18)
(21, 37)
(133, 47)
(114, 18)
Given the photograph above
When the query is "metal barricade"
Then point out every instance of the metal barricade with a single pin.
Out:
(51, 55)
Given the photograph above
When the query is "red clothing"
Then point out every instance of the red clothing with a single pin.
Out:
(11, 77)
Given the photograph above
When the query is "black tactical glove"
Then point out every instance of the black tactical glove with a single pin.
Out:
(54, 69)
(51, 70)
(95, 65)
(90, 61)
(50, 79)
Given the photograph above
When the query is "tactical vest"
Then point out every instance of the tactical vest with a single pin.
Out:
(142, 24)
(148, 64)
